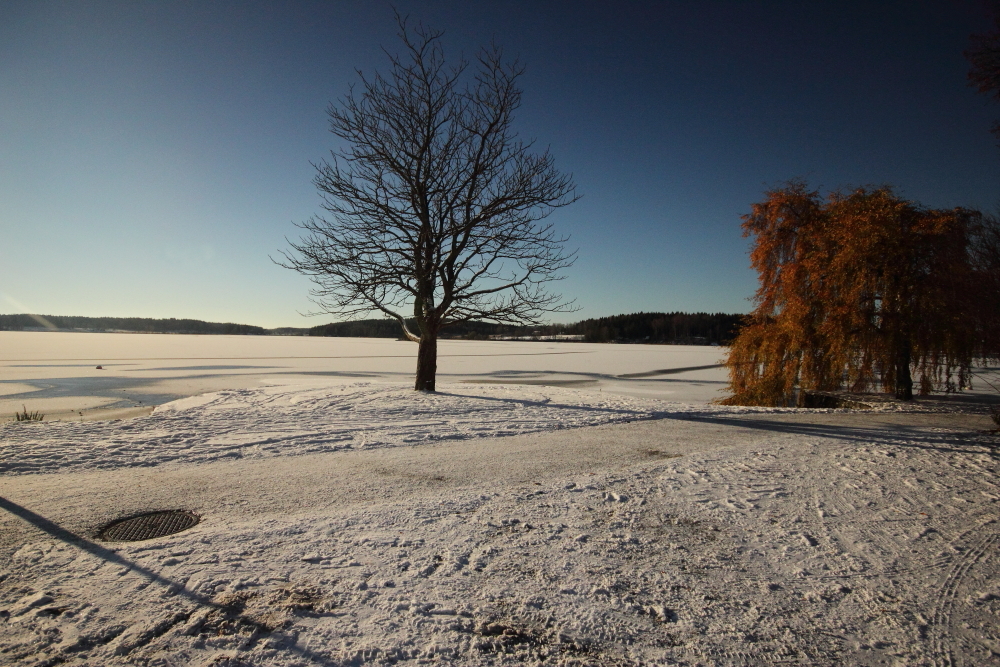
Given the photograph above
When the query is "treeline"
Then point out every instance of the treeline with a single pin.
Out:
(675, 328)
(383, 328)
(130, 324)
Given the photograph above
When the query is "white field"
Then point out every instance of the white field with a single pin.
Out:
(142, 370)
(585, 518)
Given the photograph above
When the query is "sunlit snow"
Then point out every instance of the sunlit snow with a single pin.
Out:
(351, 520)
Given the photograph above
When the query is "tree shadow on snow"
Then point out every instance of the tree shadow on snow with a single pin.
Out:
(635, 414)
(896, 435)
(70, 538)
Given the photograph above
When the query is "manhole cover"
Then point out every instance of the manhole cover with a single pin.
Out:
(148, 526)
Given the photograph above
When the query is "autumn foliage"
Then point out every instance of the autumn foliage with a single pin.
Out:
(861, 291)
(985, 252)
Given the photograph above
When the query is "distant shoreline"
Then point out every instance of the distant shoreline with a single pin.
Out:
(676, 328)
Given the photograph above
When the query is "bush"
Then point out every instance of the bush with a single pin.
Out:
(25, 416)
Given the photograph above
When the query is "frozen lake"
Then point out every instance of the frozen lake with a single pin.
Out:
(56, 372)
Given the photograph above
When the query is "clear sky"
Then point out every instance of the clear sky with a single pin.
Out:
(154, 154)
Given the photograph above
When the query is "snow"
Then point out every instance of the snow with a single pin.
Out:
(139, 371)
(348, 521)
(294, 420)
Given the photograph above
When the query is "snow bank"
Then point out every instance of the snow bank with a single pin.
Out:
(295, 420)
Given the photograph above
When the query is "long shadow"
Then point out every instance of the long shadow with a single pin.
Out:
(113, 386)
(60, 533)
(520, 401)
(645, 376)
(513, 377)
(345, 374)
(591, 378)
(670, 371)
(103, 387)
(679, 381)
(71, 538)
(899, 435)
(535, 383)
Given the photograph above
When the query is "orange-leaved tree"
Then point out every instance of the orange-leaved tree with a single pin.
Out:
(857, 291)
(986, 271)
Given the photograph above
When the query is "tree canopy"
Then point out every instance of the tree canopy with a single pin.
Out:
(985, 254)
(432, 204)
(857, 291)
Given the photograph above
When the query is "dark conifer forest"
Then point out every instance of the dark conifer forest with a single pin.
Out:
(674, 328)
(127, 324)
(664, 328)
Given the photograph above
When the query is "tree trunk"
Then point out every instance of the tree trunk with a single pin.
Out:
(904, 383)
(426, 362)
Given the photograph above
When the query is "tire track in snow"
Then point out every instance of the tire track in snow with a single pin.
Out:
(944, 602)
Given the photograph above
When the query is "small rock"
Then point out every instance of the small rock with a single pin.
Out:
(36, 600)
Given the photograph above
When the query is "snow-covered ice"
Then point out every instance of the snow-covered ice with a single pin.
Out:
(358, 522)
(56, 372)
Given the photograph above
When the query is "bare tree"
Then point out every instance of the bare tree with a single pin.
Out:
(433, 203)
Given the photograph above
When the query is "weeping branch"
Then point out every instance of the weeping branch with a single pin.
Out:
(860, 292)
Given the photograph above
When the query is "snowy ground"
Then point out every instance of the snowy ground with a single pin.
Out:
(364, 523)
(56, 372)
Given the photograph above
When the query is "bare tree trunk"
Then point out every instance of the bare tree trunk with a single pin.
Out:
(904, 382)
(426, 362)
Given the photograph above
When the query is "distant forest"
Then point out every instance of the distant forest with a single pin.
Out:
(131, 324)
(675, 328)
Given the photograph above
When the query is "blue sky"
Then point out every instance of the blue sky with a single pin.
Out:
(154, 154)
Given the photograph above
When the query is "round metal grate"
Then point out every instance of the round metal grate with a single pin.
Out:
(148, 526)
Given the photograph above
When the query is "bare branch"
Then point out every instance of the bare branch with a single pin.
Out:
(433, 205)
